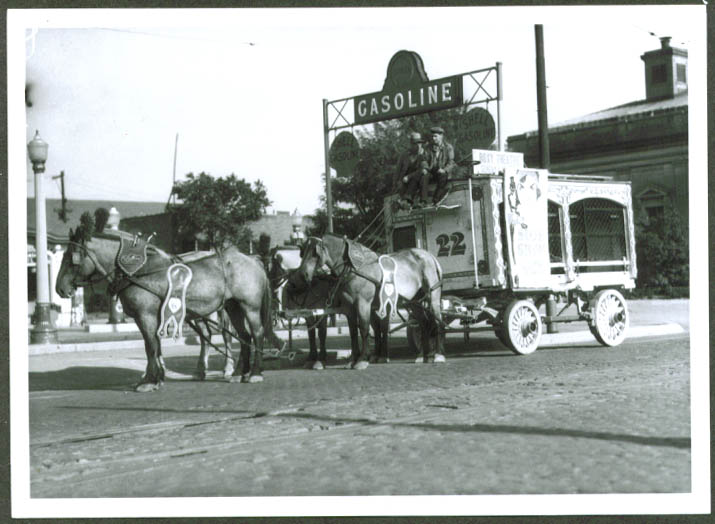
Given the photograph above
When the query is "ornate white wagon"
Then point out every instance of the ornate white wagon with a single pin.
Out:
(512, 239)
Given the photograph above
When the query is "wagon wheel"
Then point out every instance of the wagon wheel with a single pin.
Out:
(521, 328)
(609, 317)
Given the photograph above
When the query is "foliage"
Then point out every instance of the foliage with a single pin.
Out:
(218, 208)
(101, 215)
(86, 226)
(357, 200)
(662, 252)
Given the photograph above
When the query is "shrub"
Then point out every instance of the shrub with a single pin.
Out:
(662, 253)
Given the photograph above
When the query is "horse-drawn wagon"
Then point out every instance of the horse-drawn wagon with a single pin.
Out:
(511, 239)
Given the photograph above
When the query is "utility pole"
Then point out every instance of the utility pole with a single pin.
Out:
(63, 211)
(176, 148)
(328, 189)
(544, 153)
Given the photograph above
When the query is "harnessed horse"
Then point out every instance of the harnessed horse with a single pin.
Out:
(226, 280)
(417, 281)
(285, 260)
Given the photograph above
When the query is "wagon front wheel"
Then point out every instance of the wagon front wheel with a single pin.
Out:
(521, 327)
(609, 317)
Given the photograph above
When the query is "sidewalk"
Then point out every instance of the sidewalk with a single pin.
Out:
(647, 318)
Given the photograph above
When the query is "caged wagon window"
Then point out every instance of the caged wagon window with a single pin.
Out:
(404, 237)
(598, 230)
(556, 255)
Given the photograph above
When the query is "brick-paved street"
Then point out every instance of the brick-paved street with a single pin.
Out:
(583, 419)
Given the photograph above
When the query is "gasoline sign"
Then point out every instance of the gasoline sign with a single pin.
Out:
(344, 153)
(476, 129)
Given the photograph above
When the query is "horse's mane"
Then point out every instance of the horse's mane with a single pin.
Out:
(85, 232)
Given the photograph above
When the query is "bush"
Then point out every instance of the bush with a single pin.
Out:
(662, 253)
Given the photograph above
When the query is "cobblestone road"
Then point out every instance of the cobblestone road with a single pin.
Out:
(570, 420)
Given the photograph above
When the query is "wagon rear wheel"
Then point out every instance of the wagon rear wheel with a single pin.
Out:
(521, 327)
(609, 317)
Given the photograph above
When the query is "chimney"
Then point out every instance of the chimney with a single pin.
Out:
(666, 71)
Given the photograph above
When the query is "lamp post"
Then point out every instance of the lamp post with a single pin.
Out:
(297, 236)
(116, 312)
(44, 331)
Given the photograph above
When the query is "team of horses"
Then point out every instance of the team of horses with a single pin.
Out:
(228, 286)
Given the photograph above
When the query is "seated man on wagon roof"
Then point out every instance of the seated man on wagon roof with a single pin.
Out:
(440, 166)
(411, 172)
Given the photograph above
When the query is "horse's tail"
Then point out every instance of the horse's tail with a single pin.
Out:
(267, 314)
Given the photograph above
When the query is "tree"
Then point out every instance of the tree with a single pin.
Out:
(101, 215)
(360, 198)
(218, 208)
(662, 252)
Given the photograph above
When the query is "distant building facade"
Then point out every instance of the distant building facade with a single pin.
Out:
(145, 218)
(645, 141)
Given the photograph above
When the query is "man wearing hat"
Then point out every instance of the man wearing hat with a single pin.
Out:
(411, 170)
(440, 165)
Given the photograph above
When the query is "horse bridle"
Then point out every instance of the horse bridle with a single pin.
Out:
(77, 261)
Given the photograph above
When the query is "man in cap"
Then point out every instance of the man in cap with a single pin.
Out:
(411, 170)
(440, 165)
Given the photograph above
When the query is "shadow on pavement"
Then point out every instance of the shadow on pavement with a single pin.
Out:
(84, 377)
(675, 442)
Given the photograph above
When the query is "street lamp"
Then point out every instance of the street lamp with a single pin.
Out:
(297, 236)
(44, 331)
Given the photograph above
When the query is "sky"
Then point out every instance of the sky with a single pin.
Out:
(243, 89)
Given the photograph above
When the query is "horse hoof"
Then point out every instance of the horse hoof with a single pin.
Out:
(309, 364)
(199, 375)
(318, 365)
(255, 379)
(363, 364)
(439, 358)
(146, 387)
(419, 360)
(383, 360)
(235, 378)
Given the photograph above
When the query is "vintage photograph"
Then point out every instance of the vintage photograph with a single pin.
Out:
(358, 261)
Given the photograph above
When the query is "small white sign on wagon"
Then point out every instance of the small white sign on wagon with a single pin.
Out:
(491, 162)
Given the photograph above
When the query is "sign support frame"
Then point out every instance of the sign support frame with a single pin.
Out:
(343, 120)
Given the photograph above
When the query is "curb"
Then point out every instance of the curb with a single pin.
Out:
(547, 340)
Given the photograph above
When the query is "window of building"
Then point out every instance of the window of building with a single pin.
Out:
(653, 203)
(680, 72)
(658, 74)
(598, 230)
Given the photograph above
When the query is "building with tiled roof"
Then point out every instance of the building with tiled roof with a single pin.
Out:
(645, 141)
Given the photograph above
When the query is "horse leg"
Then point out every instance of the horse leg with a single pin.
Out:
(255, 325)
(153, 378)
(313, 353)
(353, 329)
(383, 327)
(436, 318)
(203, 363)
(375, 322)
(237, 318)
(424, 323)
(228, 362)
(364, 311)
(322, 336)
